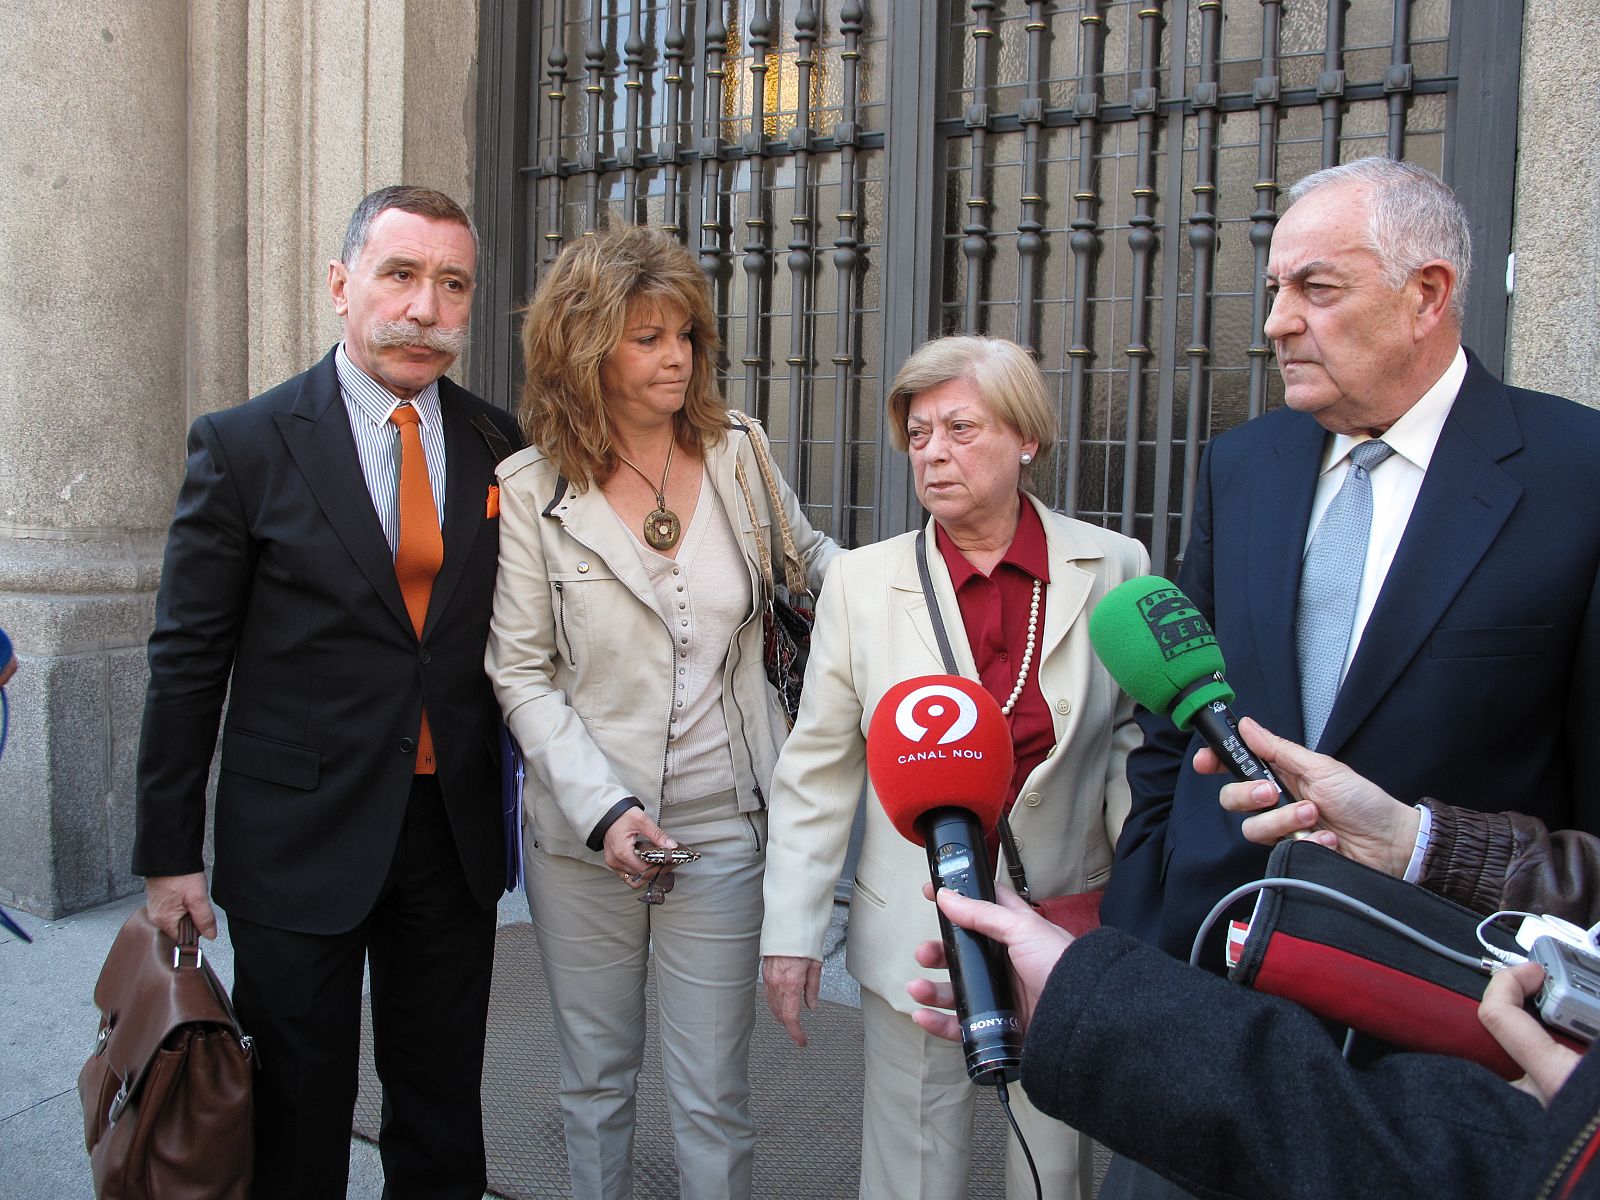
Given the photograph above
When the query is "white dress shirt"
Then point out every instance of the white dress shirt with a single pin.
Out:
(1395, 484)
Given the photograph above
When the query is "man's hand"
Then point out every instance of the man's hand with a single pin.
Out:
(791, 983)
(621, 857)
(1342, 810)
(1034, 944)
(168, 897)
(1546, 1061)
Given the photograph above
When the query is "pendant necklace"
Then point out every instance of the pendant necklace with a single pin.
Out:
(662, 527)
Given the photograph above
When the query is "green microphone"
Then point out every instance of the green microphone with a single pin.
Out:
(1162, 652)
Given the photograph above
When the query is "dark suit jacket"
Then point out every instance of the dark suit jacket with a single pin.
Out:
(277, 573)
(1476, 680)
(1230, 1093)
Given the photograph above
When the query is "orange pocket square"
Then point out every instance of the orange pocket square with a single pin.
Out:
(492, 508)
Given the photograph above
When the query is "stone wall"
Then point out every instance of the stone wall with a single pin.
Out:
(1553, 344)
(176, 179)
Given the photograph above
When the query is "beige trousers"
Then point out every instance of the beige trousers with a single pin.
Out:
(595, 937)
(916, 1120)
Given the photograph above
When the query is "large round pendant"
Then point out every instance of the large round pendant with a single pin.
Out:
(661, 529)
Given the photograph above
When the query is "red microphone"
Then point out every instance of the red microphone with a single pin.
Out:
(940, 756)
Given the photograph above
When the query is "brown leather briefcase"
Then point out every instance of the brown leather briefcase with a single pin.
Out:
(166, 1090)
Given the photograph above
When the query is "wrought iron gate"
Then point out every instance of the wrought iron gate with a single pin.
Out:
(1097, 179)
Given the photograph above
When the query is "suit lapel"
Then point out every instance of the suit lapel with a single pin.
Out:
(1275, 532)
(467, 476)
(906, 583)
(316, 430)
(1070, 584)
(1465, 500)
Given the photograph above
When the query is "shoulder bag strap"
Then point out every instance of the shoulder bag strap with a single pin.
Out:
(1019, 877)
(767, 587)
(794, 570)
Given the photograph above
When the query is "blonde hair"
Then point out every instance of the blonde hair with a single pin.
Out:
(573, 323)
(1004, 374)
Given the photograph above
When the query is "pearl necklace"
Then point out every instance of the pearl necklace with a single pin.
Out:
(1027, 657)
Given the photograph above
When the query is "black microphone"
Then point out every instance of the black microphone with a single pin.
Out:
(940, 756)
(1163, 653)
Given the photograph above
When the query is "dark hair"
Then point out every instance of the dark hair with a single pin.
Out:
(423, 202)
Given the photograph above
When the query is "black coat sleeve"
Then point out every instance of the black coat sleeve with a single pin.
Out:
(1231, 1093)
(200, 607)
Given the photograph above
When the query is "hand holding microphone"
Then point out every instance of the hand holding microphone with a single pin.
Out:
(939, 753)
(1332, 804)
(1162, 652)
(1033, 943)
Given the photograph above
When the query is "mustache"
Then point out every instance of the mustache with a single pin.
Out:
(444, 340)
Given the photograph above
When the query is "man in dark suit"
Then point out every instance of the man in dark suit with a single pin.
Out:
(333, 553)
(1467, 662)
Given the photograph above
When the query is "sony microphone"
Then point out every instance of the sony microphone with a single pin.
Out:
(940, 756)
(1162, 652)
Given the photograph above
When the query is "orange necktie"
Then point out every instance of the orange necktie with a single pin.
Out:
(420, 548)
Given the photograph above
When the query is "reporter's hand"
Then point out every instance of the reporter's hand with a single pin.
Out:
(1340, 809)
(791, 983)
(168, 897)
(1546, 1061)
(620, 854)
(1033, 944)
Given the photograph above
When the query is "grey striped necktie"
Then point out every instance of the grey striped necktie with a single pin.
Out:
(1330, 582)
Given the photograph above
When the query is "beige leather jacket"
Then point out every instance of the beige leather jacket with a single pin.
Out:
(582, 663)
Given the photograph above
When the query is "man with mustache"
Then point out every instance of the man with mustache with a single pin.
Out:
(1400, 565)
(333, 556)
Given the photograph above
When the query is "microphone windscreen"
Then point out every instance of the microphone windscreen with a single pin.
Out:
(1158, 647)
(939, 741)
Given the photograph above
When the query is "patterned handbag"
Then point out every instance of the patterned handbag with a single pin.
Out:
(790, 607)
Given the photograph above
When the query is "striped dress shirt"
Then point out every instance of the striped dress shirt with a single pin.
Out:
(368, 404)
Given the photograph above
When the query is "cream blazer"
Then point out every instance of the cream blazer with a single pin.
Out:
(582, 662)
(873, 630)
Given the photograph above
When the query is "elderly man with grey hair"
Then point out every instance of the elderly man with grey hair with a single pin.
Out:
(1400, 564)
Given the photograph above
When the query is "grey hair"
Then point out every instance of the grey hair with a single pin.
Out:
(1004, 374)
(1412, 219)
(421, 201)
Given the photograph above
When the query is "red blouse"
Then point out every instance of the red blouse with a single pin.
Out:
(994, 611)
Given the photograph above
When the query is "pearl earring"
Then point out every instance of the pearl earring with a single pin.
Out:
(1026, 458)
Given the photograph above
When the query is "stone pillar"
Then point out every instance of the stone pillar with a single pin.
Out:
(176, 179)
(344, 96)
(92, 403)
(1556, 293)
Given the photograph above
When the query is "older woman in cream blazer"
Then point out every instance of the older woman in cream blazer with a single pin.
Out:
(973, 413)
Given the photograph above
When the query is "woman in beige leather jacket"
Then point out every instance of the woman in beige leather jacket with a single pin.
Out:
(626, 651)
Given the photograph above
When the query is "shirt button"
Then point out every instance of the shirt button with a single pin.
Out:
(683, 641)
(1004, 657)
(1031, 799)
(1063, 706)
(683, 654)
(583, 568)
(684, 623)
(677, 570)
(683, 604)
(407, 745)
(424, 658)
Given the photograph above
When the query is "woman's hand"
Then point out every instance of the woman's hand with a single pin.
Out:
(1342, 810)
(1546, 1061)
(631, 827)
(1032, 943)
(791, 983)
